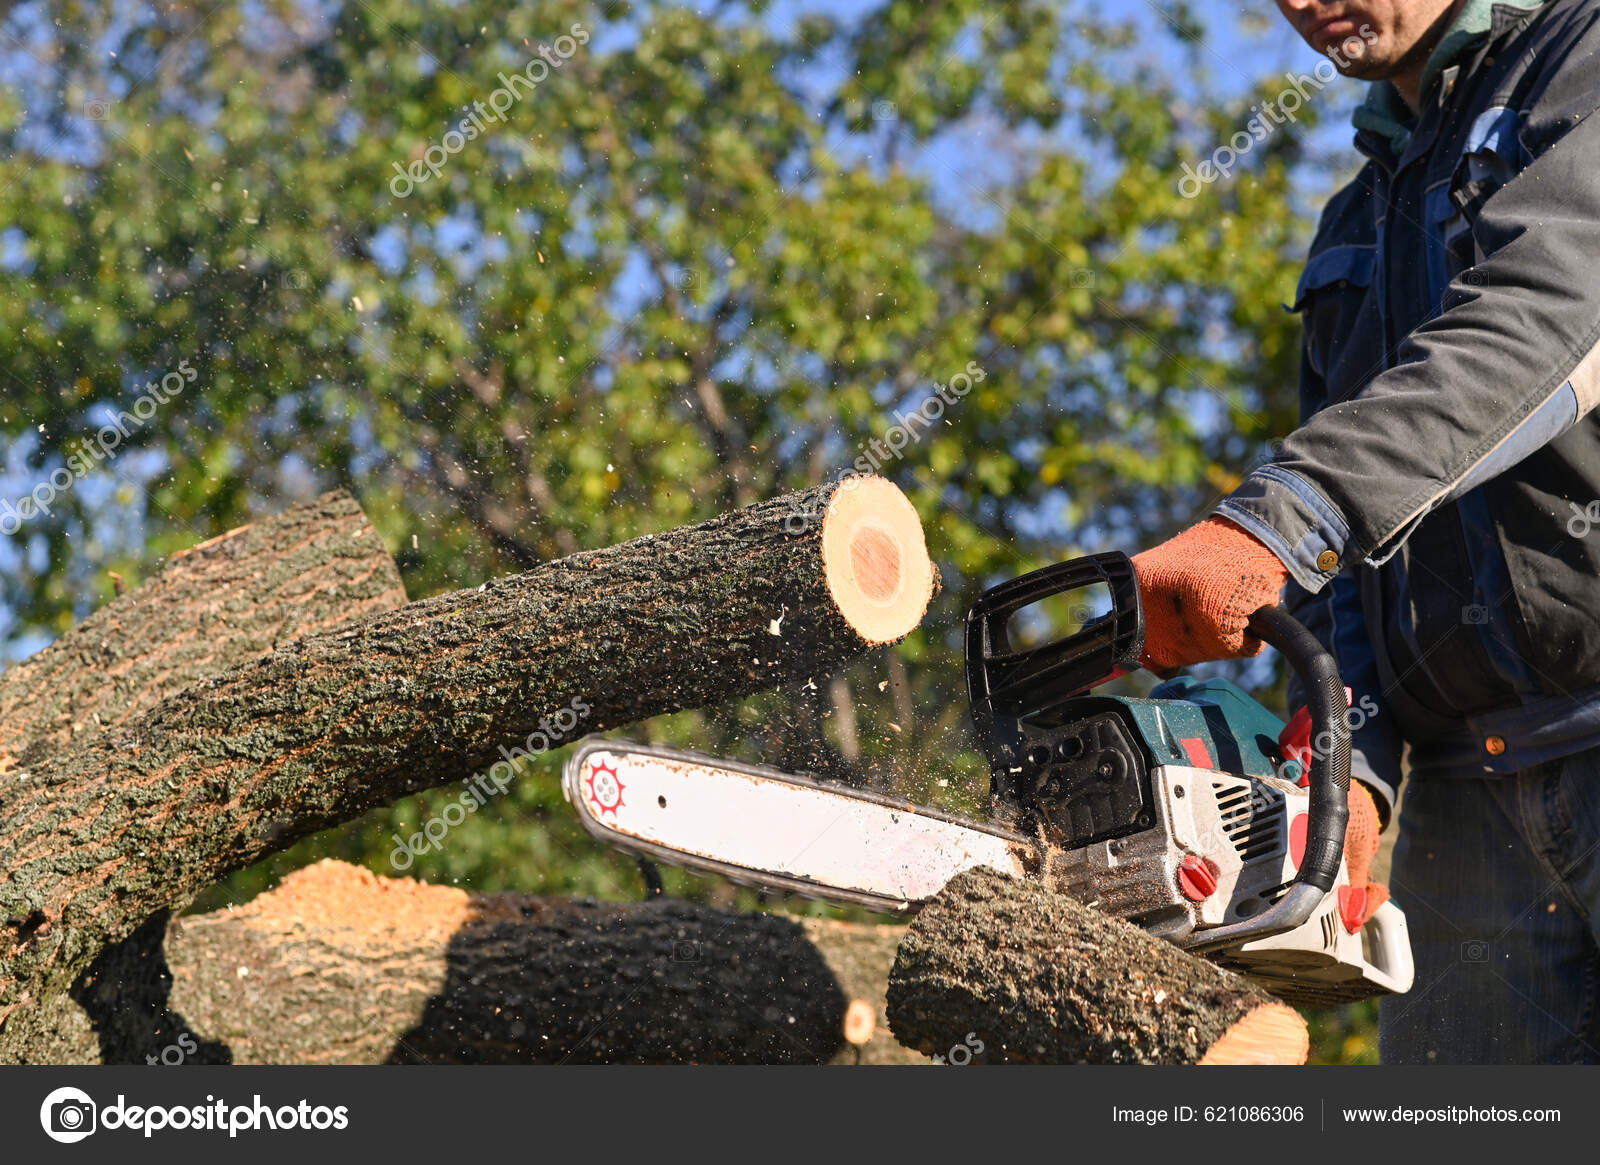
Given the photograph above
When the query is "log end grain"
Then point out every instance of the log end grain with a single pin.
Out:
(1271, 1034)
(876, 560)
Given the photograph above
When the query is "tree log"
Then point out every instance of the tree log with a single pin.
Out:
(1040, 978)
(212, 607)
(322, 729)
(337, 966)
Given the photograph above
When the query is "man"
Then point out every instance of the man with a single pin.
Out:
(1430, 519)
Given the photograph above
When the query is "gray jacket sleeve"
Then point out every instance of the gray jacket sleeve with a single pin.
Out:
(1509, 364)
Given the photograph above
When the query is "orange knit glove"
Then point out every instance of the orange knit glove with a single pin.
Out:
(1199, 591)
(1362, 896)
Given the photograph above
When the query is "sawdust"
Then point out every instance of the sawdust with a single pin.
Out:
(356, 908)
(351, 907)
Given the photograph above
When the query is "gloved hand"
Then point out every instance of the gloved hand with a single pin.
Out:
(1362, 896)
(1199, 590)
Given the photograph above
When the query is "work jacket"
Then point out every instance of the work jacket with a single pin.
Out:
(1439, 506)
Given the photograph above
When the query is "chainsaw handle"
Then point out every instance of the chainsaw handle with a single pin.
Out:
(1330, 766)
(1006, 684)
(1329, 809)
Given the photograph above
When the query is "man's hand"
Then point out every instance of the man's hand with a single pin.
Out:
(1199, 591)
(1362, 896)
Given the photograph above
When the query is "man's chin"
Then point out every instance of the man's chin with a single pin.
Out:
(1365, 69)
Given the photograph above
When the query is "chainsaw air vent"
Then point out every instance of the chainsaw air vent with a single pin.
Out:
(1252, 817)
(1330, 930)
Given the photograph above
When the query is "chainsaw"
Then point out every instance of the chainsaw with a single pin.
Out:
(1190, 812)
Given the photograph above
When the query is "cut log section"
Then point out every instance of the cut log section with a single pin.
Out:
(875, 559)
(337, 966)
(322, 729)
(1040, 978)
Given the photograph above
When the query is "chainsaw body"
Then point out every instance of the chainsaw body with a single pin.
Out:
(1152, 825)
(1179, 811)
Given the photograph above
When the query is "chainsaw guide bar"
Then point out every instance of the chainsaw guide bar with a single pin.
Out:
(781, 831)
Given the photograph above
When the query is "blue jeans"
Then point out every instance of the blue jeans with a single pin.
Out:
(1500, 881)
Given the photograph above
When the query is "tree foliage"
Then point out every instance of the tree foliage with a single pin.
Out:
(707, 258)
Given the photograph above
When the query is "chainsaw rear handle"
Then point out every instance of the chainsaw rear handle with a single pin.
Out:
(1329, 809)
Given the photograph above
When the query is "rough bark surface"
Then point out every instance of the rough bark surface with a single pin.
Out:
(1040, 978)
(338, 966)
(95, 840)
(211, 608)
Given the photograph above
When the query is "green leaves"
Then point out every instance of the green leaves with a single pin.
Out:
(703, 261)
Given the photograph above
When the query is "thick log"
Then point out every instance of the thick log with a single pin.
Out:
(1039, 978)
(337, 966)
(211, 608)
(96, 840)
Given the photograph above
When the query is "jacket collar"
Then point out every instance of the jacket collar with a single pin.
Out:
(1385, 115)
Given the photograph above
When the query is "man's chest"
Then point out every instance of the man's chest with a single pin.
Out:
(1399, 245)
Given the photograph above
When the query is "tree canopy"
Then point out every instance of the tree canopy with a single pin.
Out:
(686, 258)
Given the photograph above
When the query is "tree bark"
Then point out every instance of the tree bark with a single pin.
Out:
(1038, 977)
(96, 840)
(212, 607)
(338, 966)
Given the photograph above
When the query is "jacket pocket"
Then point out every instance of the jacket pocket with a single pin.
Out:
(1333, 291)
(1491, 155)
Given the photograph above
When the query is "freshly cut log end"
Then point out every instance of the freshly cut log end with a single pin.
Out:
(860, 1020)
(876, 559)
(1044, 979)
(1272, 1034)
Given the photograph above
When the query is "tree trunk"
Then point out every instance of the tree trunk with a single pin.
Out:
(213, 607)
(337, 966)
(1038, 977)
(96, 840)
